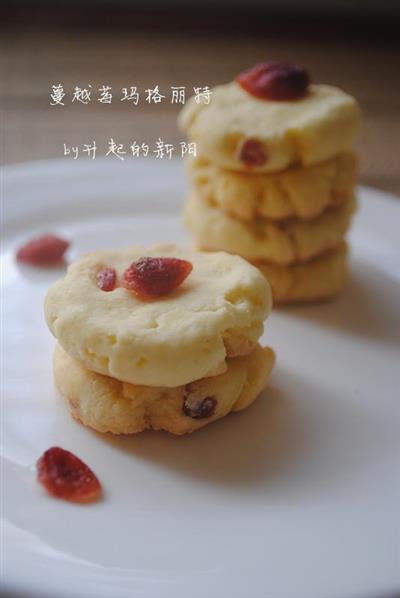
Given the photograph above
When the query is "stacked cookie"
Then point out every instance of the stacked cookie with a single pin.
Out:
(167, 341)
(274, 177)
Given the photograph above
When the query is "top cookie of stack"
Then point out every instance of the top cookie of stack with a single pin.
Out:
(250, 125)
(274, 177)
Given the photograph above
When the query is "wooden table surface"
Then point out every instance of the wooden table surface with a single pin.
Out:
(34, 60)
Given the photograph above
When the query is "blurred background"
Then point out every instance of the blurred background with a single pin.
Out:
(354, 44)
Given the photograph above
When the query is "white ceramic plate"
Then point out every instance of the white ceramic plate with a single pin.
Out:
(298, 497)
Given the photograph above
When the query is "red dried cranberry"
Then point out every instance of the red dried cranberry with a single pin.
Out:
(275, 81)
(199, 409)
(106, 279)
(155, 276)
(252, 153)
(65, 476)
(43, 251)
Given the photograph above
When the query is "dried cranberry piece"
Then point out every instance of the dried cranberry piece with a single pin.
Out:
(252, 153)
(65, 476)
(155, 276)
(43, 251)
(275, 81)
(199, 408)
(106, 279)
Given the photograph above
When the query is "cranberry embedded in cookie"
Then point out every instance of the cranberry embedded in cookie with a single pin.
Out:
(106, 279)
(252, 153)
(156, 276)
(275, 81)
(198, 408)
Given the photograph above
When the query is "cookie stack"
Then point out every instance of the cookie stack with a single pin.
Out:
(166, 341)
(274, 177)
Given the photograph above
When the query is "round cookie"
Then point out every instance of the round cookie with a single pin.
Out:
(283, 243)
(299, 192)
(321, 278)
(306, 131)
(186, 335)
(108, 405)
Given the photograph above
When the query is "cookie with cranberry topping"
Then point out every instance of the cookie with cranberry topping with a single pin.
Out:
(293, 193)
(215, 311)
(108, 405)
(319, 279)
(283, 243)
(240, 131)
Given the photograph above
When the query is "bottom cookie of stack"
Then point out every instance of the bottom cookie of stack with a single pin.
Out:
(109, 405)
(321, 278)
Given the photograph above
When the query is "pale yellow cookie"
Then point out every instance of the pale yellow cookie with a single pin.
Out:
(283, 243)
(315, 128)
(186, 335)
(299, 192)
(321, 278)
(107, 405)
